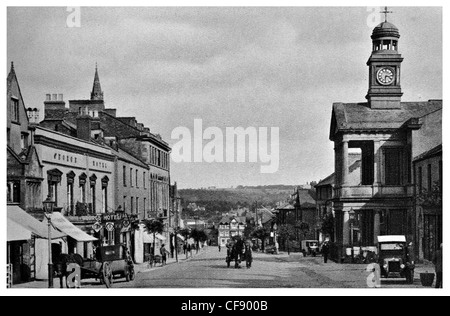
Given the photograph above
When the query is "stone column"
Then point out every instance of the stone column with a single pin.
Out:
(344, 163)
(377, 163)
(377, 229)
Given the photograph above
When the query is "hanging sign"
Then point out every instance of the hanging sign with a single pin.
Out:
(97, 227)
(109, 226)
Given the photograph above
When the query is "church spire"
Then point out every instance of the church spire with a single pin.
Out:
(97, 93)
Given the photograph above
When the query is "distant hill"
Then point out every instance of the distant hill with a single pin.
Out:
(218, 201)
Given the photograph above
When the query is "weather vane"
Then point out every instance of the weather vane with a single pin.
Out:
(386, 12)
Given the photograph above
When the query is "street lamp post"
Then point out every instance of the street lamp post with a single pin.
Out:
(48, 208)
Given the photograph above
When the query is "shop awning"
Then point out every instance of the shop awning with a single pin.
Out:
(148, 238)
(28, 223)
(17, 232)
(60, 222)
(180, 237)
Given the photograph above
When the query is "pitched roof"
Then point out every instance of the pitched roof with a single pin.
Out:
(327, 181)
(429, 154)
(228, 219)
(359, 116)
(97, 93)
(123, 155)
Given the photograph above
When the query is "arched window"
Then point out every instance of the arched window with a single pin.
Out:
(92, 183)
(82, 181)
(53, 179)
(70, 185)
(105, 181)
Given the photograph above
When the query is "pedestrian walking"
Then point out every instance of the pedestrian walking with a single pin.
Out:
(236, 253)
(248, 255)
(229, 254)
(188, 252)
(219, 247)
(163, 251)
(325, 251)
(184, 248)
(437, 261)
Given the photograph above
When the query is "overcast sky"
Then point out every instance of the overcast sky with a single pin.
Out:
(231, 67)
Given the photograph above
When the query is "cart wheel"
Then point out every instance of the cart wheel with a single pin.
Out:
(107, 275)
(127, 273)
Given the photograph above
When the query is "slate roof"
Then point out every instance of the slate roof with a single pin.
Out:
(348, 117)
(429, 154)
(228, 219)
(123, 155)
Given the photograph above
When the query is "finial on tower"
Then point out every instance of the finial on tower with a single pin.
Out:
(386, 12)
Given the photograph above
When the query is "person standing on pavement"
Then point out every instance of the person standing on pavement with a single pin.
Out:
(219, 247)
(188, 251)
(248, 255)
(325, 251)
(236, 253)
(163, 252)
(437, 261)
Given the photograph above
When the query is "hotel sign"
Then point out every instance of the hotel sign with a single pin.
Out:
(109, 217)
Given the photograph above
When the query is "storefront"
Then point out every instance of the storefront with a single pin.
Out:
(28, 245)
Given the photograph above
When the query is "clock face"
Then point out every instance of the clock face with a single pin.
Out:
(385, 76)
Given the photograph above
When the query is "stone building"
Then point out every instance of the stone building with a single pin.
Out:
(141, 159)
(428, 175)
(381, 201)
(27, 237)
(229, 227)
(24, 168)
(300, 212)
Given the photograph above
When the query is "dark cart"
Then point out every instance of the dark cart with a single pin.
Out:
(109, 262)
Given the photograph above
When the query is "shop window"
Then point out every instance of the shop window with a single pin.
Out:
(105, 181)
(70, 200)
(93, 182)
(53, 179)
(82, 182)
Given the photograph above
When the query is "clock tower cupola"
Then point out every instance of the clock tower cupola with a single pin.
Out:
(385, 91)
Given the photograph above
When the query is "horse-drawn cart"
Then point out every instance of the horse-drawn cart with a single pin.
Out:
(110, 261)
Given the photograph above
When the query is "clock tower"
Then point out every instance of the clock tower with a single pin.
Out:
(385, 91)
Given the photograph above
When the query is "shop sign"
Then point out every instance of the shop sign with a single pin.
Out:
(97, 227)
(109, 226)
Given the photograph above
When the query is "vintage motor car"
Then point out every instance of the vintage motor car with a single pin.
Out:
(310, 247)
(394, 258)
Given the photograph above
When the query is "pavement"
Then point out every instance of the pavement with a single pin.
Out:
(207, 269)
